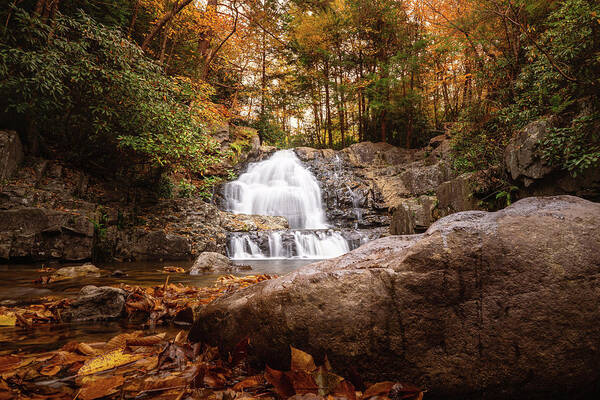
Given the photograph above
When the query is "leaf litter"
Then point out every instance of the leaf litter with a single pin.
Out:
(135, 366)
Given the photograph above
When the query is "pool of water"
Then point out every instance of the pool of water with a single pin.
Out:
(17, 286)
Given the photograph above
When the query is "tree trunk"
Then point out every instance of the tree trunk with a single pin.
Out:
(163, 21)
(136, 9)
(327, 105)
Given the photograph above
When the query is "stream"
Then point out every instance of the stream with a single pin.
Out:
(17, 287)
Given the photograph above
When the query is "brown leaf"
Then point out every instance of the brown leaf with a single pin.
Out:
(345, 389)
(146, 341)
(120, 341)
(302, 382)
(249, 383)
(100, 387)
(326, 380)
(281, 383)
(378, 389)
(50, 370)
(8, 319)
(302, 361)
(86, 349)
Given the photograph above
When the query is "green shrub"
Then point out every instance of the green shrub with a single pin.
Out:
(97, 99)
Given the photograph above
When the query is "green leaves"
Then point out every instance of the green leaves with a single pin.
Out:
(95, 96)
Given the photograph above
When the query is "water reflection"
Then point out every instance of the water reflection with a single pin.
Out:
(17, 287)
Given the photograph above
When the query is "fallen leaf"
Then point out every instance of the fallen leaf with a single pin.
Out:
(100, 387)
(8, 319)
(112, 359)
(378, 389)
(302, 361)
(281, 383)
(50, 370)
(326, 381)
(249, 383)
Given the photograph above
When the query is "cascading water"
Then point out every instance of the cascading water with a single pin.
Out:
(279, 186)
(282, 186)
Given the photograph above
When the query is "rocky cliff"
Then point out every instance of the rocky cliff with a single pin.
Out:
(52, 212)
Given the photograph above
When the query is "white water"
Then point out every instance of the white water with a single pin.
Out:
(282, 186)
(279, 186)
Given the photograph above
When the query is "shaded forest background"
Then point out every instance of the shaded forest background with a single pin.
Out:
(134, 87)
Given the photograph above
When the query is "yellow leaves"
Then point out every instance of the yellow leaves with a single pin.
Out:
(302, 361)
(113, 359)
(8, 319)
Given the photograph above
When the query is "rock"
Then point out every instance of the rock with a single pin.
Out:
(11, 153)
(522, 157)
(248, 223)
(219, 132)
(483, 305)
(211, 263)
(40, 234)
(80, 271)
(412, 215)
(156, 245)
(456, 195)
(436, 141)
(118, 274)
(97, 303)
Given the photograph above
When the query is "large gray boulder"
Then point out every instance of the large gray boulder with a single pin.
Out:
(11, 153)
(483, 305)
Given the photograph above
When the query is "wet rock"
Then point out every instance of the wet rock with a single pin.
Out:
(97, 303)
(248, 223)
(522, 155)
(118, 274)
(211, 263)
(483, 305)
(11, 153)
(40, 234)
(159, 245)
(79, 271)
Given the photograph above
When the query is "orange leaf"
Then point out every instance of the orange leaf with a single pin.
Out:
(281, 383)
(302, 361)
(248, 383)
(100, 387)
(378, 389)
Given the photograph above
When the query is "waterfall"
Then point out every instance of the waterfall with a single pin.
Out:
(278, 186)
(282, 186)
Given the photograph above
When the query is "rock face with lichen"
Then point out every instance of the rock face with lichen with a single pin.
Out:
(483, 305)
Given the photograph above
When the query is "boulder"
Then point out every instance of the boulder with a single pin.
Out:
(456, 195)
(482, 305)
(97, 303)
(413, 214)
(211, 263)
(11, 153)
(522, 156)
(80, 271)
